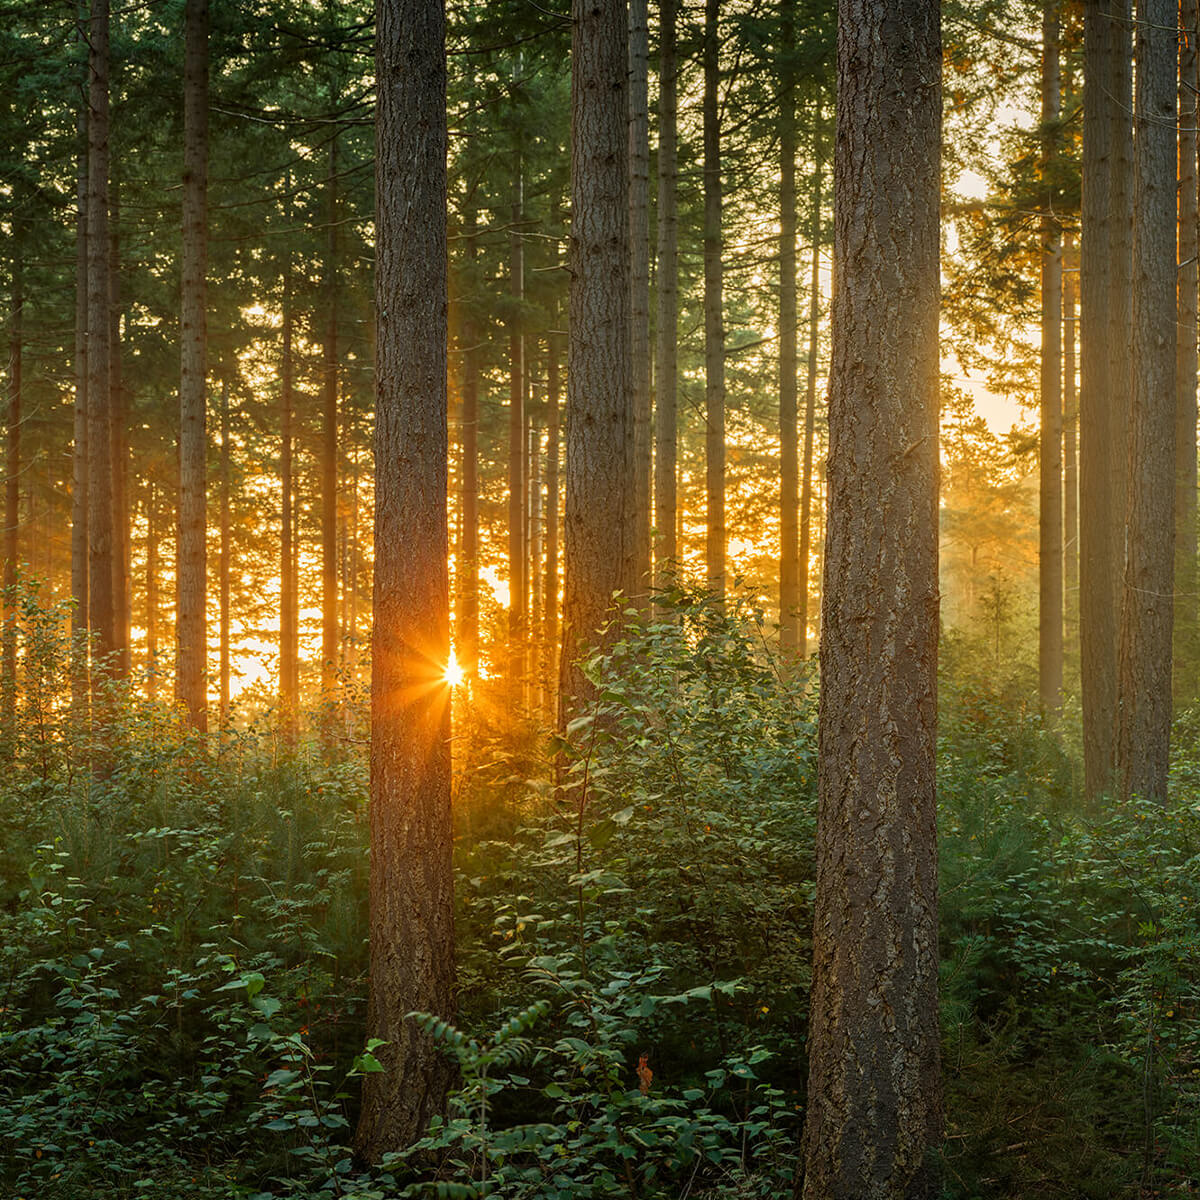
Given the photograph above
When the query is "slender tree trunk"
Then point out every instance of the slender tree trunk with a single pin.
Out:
(289, 615)
(12, 497)
(191, 573)
(1070, 460)
(553, 399)
(789, 447)
(598, 544)
(468, 567)
(810, 396)
(1050, 556)
(412, 901)
(119, 445)
(874, 1082)
(1144, 700)
(714, 322)
(1187, 616)
(536, 577)
(79, 446)
(329, 447)
(518, 582)
(1105, 317)
(152, 533)
(101, 614)
(223, 560)
(639, 281)
(667, 311)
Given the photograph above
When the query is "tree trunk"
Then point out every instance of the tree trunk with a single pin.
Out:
(810, 397)
(289, 604)
(119, 438)
(639, 282)
(598, 545)
(223, 560)
(468, 566)
(714, 323)
(152, 534)
(412, 901)
(191, 579)
(1105, 316)
(667, 313)
(789, 445)
(1070, 461)
(1187, 652)
(329, 447)
(874, 1085)
(536, 577)
(553, 399)
(12, 498)
(101, 614)
(1050, 580)
(79, 445)
(1144, 700)
(518, 582)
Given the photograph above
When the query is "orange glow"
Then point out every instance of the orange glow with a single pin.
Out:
(454, 674)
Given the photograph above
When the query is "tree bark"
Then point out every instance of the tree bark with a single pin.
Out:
(119, 445)
(412, 901)
(191, 572)
(289, 615)
(789, 440)
(874, 1087)
(1070, 459)
(553, 400)
(152, 534)
(1050, 550)
(12, 496)
(101, 613)
(518, 579)
(468, 567)
(667, 300)
(223, 558)
(329, 447)
(79, 446)
(1104, 280)
(714, 322)
(1187, 616)
(810, 397)
(1144, 700)
(639, 282)
(598, 544)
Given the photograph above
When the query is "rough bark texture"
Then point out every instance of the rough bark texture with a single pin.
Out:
(119, 444)
(1104, 280)
(1050, 551)
(1144, 698)
(639, 282)
(191, 681)
(597, 543)
(1187, 650)
(79, 447)
(289, 616)
(666, 330)
(412, 902)
(714, 320)
(874, 1088)
(330, 641)
(810, 402)
(789, 439)
(1070, 457)
(101, 614)
(518, 560)
(223, 553)
(468, 566)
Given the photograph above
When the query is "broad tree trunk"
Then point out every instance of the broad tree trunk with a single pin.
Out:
(329, 447)
(810, 397)
(1187, 634)
(1144, 699)
(1105, 316)
(101, 613)
(639, 282)
(468, 565)
(1050, 555)
(79, 445)
(223, 559)
(874, 1085)
(789, 440)
(598, 544)
(191, 553)
(412, 900)
(714, 323)
(667, 310)
(1070, 442)
(289, 603)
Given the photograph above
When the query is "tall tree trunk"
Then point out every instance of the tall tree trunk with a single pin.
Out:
(191, 574)
(289, 601)
(152, 534)
(101, 614)
(1144, 700)
(714, 323)
(12, 497)
(329, 446)
(874, 1082)
(518, 582)
(468, 566)
(79, 444)
(412, 901)
(789, 443)
(119, 438)
(223, 559)
(550, 588)
(1050, 556)
(666, 330)
(639, 282)
(810, 392)
(598, 545)
(1105, 265)
(1187, 616)
(1070, 460)
(536, 578)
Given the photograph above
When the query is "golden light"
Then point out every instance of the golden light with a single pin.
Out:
(454, 674)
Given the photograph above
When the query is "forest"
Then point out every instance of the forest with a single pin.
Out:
(600, 599)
